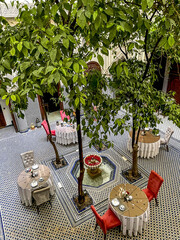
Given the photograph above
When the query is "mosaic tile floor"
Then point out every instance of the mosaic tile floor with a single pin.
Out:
(23, 223)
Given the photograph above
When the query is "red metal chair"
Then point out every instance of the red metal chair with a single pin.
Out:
(45, 125)
(154, 183)
(107, 221)
(63, 115)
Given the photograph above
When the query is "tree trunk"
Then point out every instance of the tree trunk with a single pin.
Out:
(135, 161)
(135, 150)
(81, 197)
(50, 136)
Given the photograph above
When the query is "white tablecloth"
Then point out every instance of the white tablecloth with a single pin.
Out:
(24, 184)
(136, 214)
(146, 150)
(66, 135)
(132, 225)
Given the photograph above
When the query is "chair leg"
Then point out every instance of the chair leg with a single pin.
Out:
(167, 148)
(95, 226)
(156, 202)
(50, 203)
(104, 236)
(47, 138)
(120, 228)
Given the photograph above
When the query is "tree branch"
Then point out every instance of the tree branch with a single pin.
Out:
(153, 15)
(125, 49)
(145, 46)
(149, 61)
(69, 15)
(122, 51)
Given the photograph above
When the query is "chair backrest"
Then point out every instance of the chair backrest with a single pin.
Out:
(168, 134)
(27, 158)
(45, 125)
(41, 195)
(154, 183)
(99, 220)
(63, 115)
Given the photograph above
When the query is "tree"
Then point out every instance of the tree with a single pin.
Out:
(137, 28)
(50, 43)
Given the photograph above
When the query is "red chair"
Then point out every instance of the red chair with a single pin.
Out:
(45, 125)
(154, 183)
(107, 221)
(63, 115)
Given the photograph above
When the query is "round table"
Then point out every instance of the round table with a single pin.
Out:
(25, 179)
(136, 213)
(66, 134)
(93, 162)
(149, 144)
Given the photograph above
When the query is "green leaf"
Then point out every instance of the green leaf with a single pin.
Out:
(54, 9)
(25, 52)
(83, 63)
(88, 14)
(56, 38)
(63, 71)
(56, 76)
(19, 46)
(144, 4)
(7, 101)
(82, 100)
(150, 3)
(26, 44)
(53, 54)
(126, 70)
(76, 67)
(109, 11)
(64, 81)
(49, 69)
(6, 64)
(100, 60)
(40, 49)
(81, 21)
(4, 97)
(171, 41)
(71, 38)
(44, 42)
(122, 15)
(75, 78)
(49, 32)
(13, 51)
(1, 68)
(24, 66)
(97, 23)
(13, 97)
(95, 14)
(130, 47)
(66, 42)
(85, 2)
(15, 79)
(83, 80)
(118, 70)
(120, 27)
(109, 24)
(39, 92)
(76, 102)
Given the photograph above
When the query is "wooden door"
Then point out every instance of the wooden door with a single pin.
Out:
(174, 81)
(2, 119)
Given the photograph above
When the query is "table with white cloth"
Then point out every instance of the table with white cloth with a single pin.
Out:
(66, 134)
(136, 214)
(149, 144)
(25, 180)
